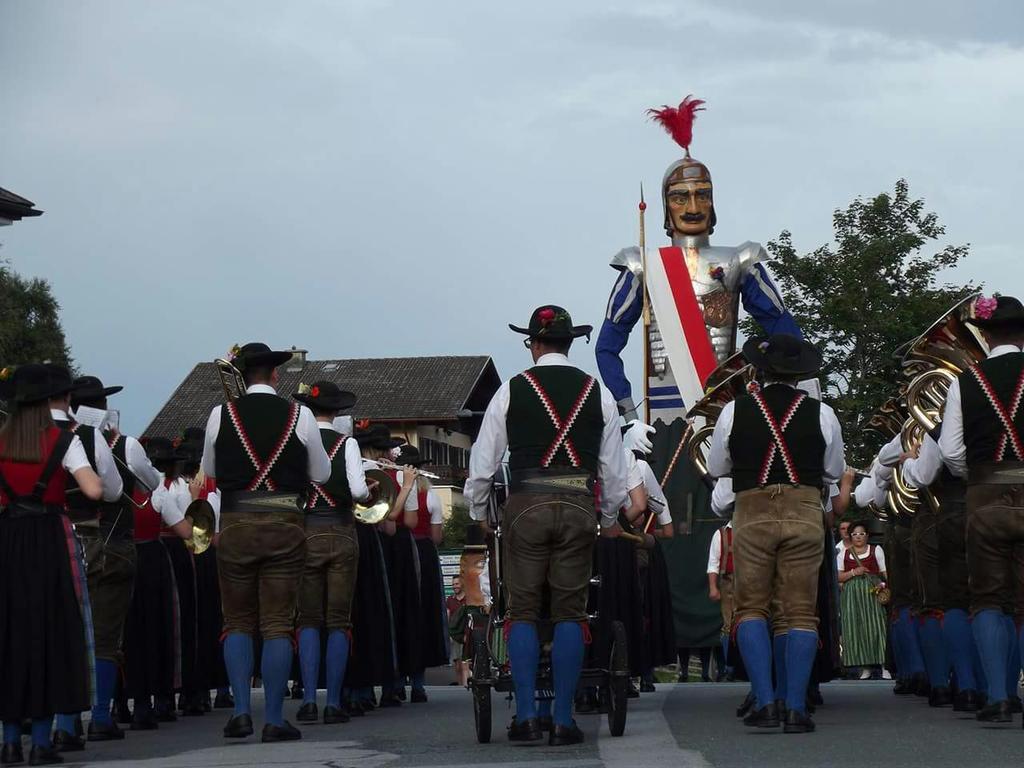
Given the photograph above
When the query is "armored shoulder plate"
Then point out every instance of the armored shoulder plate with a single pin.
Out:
(628, 258)
(749, 254)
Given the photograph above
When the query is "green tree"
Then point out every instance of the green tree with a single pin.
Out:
(877, 286)
(454, 529)
(30, 329)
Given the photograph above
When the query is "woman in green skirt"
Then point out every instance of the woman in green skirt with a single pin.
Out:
(861, 572)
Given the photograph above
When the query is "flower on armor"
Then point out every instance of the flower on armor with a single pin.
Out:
(985, 306)
(716, 273)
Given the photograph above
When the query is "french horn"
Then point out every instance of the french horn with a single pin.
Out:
(204, 524)
(379, 507)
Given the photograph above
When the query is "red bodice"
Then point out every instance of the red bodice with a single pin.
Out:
(725, 553)
(23, 476)
(868, 561)
(422, 529)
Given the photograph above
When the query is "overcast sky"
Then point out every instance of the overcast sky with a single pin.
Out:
(368, 179)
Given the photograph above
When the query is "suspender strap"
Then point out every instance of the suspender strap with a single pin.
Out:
(60, 448)
(263, 468)
(1006, 416)
(318, 491)
(778, 444)
(563, 426)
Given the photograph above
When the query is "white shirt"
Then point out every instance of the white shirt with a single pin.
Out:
(110, 478)
(715, 550)
(489, 448)
(722, 497)
(435, 509)
(318, 466)
(720, 459)
(634, 475)
(354, 472)
(656, 501)
(951, 441)
(871, 490)
(879, 556)
(924, 470)
(75, 458)
(139, 464)
(889, 455)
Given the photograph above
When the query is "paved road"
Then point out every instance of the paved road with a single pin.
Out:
(680, 726)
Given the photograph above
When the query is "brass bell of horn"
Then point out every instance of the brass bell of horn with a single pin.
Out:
(204, 522)
(387, 492)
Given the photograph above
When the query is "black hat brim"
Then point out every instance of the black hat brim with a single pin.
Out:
(88, 392)
(270, 359)
(44, 393)
(575, 333)
(1011, 321)
(808, 363)
(343, 402)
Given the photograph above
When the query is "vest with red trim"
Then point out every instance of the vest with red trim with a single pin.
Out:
(987, 394)
(269, 422)
(868, 561)
(725, 552)
(554, 419)
(22, 476)
(422, 527)
(757, 459)
(335, 495)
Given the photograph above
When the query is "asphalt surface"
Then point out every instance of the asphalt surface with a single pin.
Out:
(682, 726)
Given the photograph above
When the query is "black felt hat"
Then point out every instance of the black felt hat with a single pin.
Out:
(376, 436)
(35, 382)
(783, 354)
(89, 388)
(325, 396)
(194, 434)
(410, 457)
(1007, 313)
(552, 322)
(162, 449)
(256, 354)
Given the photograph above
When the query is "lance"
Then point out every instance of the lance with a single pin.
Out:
(646, 309)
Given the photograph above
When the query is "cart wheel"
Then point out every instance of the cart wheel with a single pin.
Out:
(480, 686)
(618, 680)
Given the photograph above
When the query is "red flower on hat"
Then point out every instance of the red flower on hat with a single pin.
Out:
(985, 306)
(546, 316)
(315, 392)
(363, 424)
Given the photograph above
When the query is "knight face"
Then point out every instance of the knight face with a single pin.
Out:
(690, 207)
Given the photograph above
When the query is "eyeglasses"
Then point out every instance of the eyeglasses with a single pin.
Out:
(528, 343)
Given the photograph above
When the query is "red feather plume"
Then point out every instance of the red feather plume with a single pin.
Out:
(678, 121)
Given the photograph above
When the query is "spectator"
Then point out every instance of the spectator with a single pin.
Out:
(861, 573)
(453, 603)
(844, 537)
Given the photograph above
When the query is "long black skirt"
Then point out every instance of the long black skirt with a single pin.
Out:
(659, 623)
(185, 580)
(402, 559)
(372, 655)
(433, 613)
(617, 599)
(42, 640)
(151, 645)
(212, 672)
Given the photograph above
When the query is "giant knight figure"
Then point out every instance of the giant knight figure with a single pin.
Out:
(695, 290)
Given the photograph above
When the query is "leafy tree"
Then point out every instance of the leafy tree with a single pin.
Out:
(860, 298)
(454, 529)
(30, 329)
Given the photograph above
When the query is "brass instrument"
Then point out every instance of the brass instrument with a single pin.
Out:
(231, 379)
(379, 507)
(204, 523)
(726, 383)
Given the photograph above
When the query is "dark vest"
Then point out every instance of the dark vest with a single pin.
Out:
(982, 426)
(120, 514)
(334, 498)
(263, 418)
(81, 508)
(532, 433)
(751, 440)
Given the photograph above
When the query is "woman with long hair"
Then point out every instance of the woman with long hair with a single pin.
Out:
(42, 637)
(861, 570)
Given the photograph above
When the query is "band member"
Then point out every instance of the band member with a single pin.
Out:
(332, 555)
(42, 648)
(561, 430)
(263, 452)
(981, 441)
(781, 448)
(720, 581)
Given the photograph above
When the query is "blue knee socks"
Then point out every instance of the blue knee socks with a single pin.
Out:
(994, 648)
(1012, 658)
(238, 658)
(337, 661)
(932, 645)
(956, 630)
(106, 679)
(911, 641)
(67, 723)
(309, 662)
(566, 664)
(801, 648)
(275, 665)
(544, 708)
(756, 648)
(12, 732)
(41, 727)
(779, 661)
(523, 656)
(725, 653)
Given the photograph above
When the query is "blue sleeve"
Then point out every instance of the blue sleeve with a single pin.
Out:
(763, 302)
(625, 306)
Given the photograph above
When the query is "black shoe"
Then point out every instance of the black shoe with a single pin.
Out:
(418, 696)
(966, 701)
(765, 717)
(546, 724)
(238, 727)
(192, 706)
(286, 732)
(919, 682)
(746, 706)
(355, 709)
(400, 693)
(996, 712)
(164, 715)
(44, 756)
(145, 721)
(526, 731)
(390, 700)
(632, 692)
(334, 715)
(780, 707)
(563, 735)
(205, 701)
(646, 687)
(815, 698)
(67, 742)
(308, 713)
(903, 688)
(104, 731)
(297, 692)
(1015, 704)
(224, 701)
(586, 703)
(940, 697)
(798, 722)
(121, 713)
(11, 754)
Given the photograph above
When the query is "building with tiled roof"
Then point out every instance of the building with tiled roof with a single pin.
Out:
(15, 208)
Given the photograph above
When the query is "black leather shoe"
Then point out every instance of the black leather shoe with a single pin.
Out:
(334, 715)
(145, 721)
(996, 712)
(121, 713)
(526, 731)
(11, 754)
(192, 706)
(765, 717)
(238, 727)
(780, 707)
(355, 709)
(391, 700)
(1016, 705)
(902, 688)
(563, 735)
(546, 724)
(919, 682)
(418, 696)
(44, 756)
(164, 715)
(940, 697)
(67, 742)
(104, 732)
(308, 713)
(646, 687)
(400, 693)
(285, 732)
(224, 701)
(798, 722)
(966, 701)
(746, 706)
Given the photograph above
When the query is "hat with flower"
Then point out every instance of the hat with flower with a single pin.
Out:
(1002, 312)
(325, 395)
(783, 354)
(554, 323)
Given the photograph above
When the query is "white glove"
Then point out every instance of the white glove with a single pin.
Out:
(636, 437)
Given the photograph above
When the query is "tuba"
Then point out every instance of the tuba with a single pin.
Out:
(727, 382)
(231, 380)
(377, 509)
